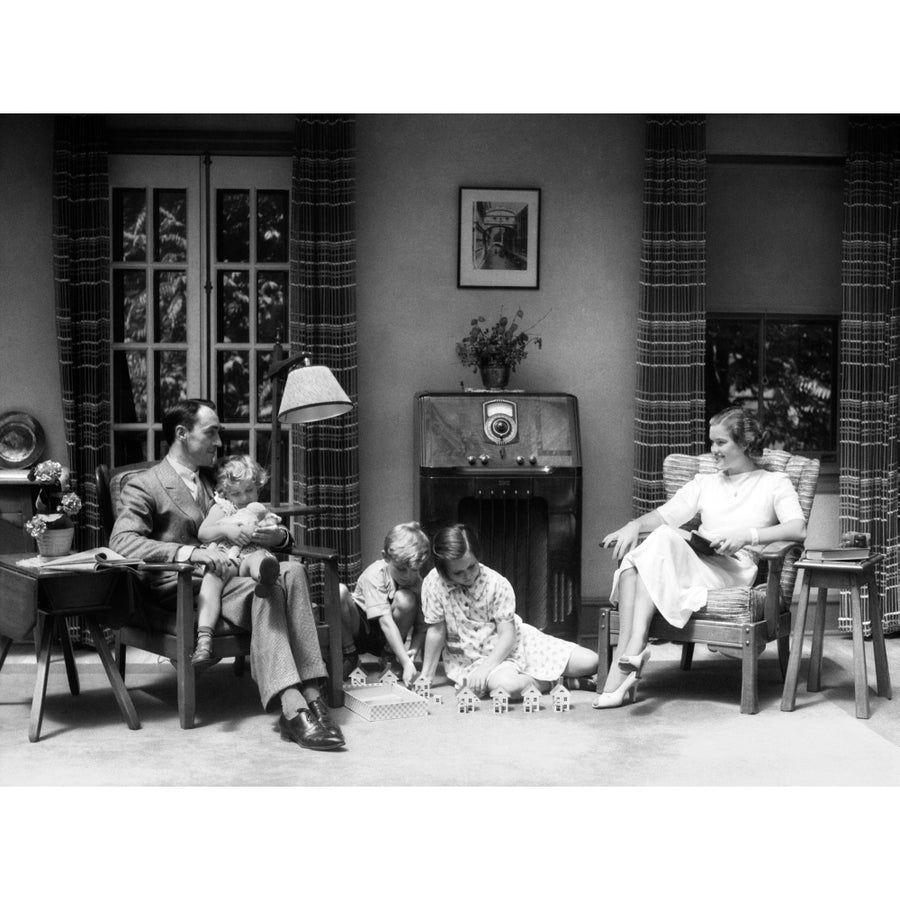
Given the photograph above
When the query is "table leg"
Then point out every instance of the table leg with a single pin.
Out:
(860, 681)
(129, 713)
(882, 675)
(62, 626)
(814, 679)
(40, 681)
(789, 694)
(5, 644)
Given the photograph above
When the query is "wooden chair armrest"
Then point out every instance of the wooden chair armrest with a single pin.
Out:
(779, 549)
(322, 554)
(287, 511)
(165, 567)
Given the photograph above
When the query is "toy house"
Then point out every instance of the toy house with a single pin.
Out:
(467, 700)
(357, 677)
(422, 686)
(500, 700)
(388, 677)
(561, 698)
(531, 700)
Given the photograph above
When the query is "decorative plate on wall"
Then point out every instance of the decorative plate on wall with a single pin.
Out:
(21, 440)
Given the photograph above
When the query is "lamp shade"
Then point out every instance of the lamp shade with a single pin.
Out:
(311, 394)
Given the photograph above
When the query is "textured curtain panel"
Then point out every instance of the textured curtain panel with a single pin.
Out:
(870, 351)
(323, 322)
(81, 262)
(671, 336)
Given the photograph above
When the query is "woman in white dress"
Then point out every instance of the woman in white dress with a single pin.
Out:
(740, 505)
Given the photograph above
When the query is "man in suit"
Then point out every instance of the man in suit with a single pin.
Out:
(161, 511)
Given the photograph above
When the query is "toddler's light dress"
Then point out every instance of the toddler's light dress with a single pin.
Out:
(471, 616)
(678, 579)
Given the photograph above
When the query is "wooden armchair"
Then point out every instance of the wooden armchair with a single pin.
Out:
(172, 634)
(740, 619)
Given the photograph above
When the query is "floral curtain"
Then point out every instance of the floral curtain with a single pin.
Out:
(81, 264)
(671, 338)
(323, 322)
(870, 352)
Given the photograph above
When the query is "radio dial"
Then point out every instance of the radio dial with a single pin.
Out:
(471, 460)
(520, 460)
(484, 459)
(532, 459)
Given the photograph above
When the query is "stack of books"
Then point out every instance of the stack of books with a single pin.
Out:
(832, 555)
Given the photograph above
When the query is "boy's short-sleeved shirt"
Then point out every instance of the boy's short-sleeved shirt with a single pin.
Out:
(375, 589)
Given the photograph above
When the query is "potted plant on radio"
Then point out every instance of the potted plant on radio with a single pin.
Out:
(52, 526)
(495, 351)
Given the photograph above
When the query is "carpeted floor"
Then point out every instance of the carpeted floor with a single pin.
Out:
(685, 729)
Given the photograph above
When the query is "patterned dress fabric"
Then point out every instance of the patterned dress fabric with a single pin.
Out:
(677, 579)
(471, 616)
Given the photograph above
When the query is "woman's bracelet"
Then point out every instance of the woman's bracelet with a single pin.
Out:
(754, 535)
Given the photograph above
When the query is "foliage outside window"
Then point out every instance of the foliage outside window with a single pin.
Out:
(782, 367)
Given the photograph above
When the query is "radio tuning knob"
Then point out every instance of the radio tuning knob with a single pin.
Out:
(520, 460)
(484, 459)
(471, 460)
(532, 459)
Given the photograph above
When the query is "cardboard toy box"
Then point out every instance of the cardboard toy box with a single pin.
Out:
(375, 702)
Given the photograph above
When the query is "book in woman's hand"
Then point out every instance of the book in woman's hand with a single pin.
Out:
(701, 545)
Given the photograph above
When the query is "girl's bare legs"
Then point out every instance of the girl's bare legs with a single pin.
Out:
(513, 682)
(636, 611)
(582, 662)
(407, 613)
(209, 606)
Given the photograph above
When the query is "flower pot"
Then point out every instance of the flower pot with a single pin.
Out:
(494, 377)
(56, 541)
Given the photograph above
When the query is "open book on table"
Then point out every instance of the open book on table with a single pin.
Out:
(86, 561)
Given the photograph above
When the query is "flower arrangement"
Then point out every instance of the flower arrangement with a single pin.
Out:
(55, 504)
(501, 344)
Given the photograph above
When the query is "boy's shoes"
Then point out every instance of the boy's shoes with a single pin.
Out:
(389, 661)
(202, 655)
(269, 570)
(580, 683)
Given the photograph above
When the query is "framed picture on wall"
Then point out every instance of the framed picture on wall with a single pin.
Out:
(499, 237)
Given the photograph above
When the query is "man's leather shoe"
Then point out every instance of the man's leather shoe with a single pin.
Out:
(323, 714)
(305, 729)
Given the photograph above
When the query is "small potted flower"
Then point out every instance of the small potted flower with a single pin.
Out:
(495, 351)
(52, 525)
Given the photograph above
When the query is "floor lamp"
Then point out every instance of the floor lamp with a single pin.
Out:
(301, 393)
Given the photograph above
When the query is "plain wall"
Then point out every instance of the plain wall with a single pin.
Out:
(409, 171)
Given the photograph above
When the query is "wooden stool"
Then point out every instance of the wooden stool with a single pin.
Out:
(844, 576)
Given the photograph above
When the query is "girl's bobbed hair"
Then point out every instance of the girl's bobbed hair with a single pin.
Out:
(453, 543)
(235, 469)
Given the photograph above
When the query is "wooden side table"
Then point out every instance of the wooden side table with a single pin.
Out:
(37, 602)
(843, 576)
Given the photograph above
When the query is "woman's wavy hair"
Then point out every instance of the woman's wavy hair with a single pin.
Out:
(453, 543)
(742, 428)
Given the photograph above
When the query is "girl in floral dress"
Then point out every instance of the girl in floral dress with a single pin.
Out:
(470, 611)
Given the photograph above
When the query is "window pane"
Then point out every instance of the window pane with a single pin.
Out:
(271, 325)
(129, 225)
(171, 379)
(272, 226)
(732, 363)
(234, 307)
(799, 390)
(234, 442)
(171, 226)
(233, 400)
(130, 306)
(171, 301)
(264, 385)
(233, 226)
(130, 380)
(130, 447)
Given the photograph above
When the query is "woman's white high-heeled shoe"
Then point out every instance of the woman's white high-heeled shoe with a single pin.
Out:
(635, 663)
(612, 699)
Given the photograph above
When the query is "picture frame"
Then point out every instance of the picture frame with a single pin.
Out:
(499, 238)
